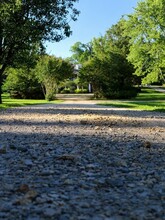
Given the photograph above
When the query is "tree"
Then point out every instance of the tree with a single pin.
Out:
(145, 27)
(109, 76)
(108, 69)
(50, 71)
(22, 83)
(20, 80)
(116, 40)
(24, 23)
(81, 52)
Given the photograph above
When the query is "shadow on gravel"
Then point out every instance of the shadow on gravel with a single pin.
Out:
(85, 123)
(73, 174)
(80, 169)
(113, 117)
(77, 109)
(68, 174)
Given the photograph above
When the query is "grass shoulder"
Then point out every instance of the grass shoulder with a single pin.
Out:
(8, 102)
(147, 99)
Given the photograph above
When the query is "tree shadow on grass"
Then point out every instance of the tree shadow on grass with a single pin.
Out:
(150, 106)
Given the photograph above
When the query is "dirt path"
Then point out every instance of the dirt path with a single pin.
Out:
(80, 161)
(149, 126)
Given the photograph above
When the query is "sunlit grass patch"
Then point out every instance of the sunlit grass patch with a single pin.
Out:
(149, 106)
(150, 94)
(147, 99)
(8, 102)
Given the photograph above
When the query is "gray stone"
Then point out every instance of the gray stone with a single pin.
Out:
(28, 162)
(51, 212)
(97, 169)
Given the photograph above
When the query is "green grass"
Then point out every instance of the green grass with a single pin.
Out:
(150, 94)
(7, 102)
(147, 99)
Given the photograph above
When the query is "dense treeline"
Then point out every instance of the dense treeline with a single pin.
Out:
(25, 24)
(40, 81)
(105, 65)
(130, 53)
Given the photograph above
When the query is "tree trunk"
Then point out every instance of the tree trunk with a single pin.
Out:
(2, 70)
(0, 88)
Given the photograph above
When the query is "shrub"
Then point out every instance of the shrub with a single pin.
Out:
(122, 94)
(21, 83)
(81, 91)
(65, 91)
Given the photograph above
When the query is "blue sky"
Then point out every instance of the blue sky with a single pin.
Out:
(96, 16)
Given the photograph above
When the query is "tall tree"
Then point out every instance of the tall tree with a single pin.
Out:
(116, 39)
(81, 52)
(50, 71)
(22, 83)
(23, 23)
(108, 70)
(146, 29)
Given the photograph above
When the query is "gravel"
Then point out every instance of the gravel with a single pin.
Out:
(81, 162)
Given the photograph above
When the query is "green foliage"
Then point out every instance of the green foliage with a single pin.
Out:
(110, 77)
(147, 37)
(65, 91)
(22, 83)
(50, 71)
(108, 70)
(79, 91)
(81, 52)
(24, 24)
(67, 86)
(40, 81)
(113, 40)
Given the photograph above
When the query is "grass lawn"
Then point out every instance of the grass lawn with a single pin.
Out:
(7, 102)
(147, 99)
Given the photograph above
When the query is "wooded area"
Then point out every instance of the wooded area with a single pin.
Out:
(130, 53)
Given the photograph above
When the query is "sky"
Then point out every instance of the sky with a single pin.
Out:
(96, 17)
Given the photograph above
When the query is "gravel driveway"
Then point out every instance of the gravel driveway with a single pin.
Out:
(81, 162)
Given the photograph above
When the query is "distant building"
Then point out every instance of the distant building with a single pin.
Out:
(77, 67)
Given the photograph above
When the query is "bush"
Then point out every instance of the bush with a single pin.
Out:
(65, 91)
(33, 93)
(23, 84)
(122, 94)
(81, 91)
(49, 97)
(67, 86)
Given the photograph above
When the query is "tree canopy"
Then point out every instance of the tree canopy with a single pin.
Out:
(81, 52)
(49, 71)
(25, 23)
(145, 27)
(22, 83)
(106, 66)
(134, 46)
